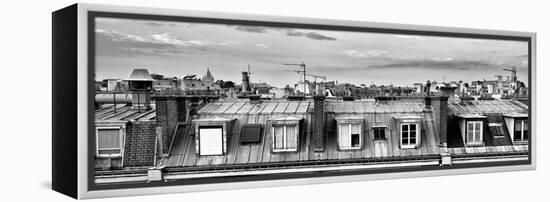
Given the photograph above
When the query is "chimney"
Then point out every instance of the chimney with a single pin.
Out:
(440, 111)
(171, 110)
(140, 85)
(246, 83)
(318, 136)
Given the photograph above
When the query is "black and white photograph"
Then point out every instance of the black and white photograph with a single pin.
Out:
(177, 101)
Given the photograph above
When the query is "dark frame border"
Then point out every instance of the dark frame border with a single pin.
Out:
(91, 92)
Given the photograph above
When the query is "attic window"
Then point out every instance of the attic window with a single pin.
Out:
(285, 137)
(521, 130)
(496, 129)
(474, 132)
(210, 140)
(251, 133)
(409, 135)
(109, 142)
(379, 132)
(349, 135)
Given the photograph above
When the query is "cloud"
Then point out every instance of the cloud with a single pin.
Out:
(254, 29)
(410, 37)
(287, 31)
(440, 64)
(112, 43)
(365, 54)
(311, 35)
(262, 45)
(160, 24)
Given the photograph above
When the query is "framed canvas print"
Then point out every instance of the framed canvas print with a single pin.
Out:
(149, 101)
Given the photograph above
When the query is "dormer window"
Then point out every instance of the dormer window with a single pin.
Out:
(521, 130)
(474, 132)
(379, 132)
(409, 131)
(518, 127)
(350, 132)
(285, 133)
(285, 137)
(212, 135)
(409, 135)
(109, 142)
(472, 128)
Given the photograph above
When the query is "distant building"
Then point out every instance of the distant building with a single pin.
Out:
(192, 85)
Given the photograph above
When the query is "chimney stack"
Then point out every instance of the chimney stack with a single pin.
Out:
(440, 111)
(140, 86)
(246, 83)
(318, 137)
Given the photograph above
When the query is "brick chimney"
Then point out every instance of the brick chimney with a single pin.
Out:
(246, 83)
(440, 111)
(318, 136)
(171, 110)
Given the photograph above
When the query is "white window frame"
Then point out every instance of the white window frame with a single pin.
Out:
(522, 131)
(474, 132)
(350, 133)
(121, 143)
(201, 139)
(285, 146)
(417, 139)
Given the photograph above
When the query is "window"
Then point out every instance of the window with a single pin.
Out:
(108, 142)
(250, 133)
(409, 135)
(285, 137)
(210, 141)
(379, 133)
(474, 132)
(349, 135)
(521, 130)
(496, 129)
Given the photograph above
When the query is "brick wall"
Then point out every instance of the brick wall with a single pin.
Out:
(167, 118)
(440, 109)
(318, 136)
(139, 148)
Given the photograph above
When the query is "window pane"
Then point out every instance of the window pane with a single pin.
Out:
(291, 138)
(412, 127)
(517, 126)
(355, 128)
(413, 137)
(477, 127)
(355, 140)
(412, 141)
(108, 138)
(525, 125)
(404, 141)
(278, 137)
(344, 138)
(404, 127)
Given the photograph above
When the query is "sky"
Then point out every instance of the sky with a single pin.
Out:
(176, 49)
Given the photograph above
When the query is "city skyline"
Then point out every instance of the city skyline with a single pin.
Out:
(177, 49)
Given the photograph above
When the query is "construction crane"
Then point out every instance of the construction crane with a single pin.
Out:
(314, 76)
(303, 65)
(514, 71)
